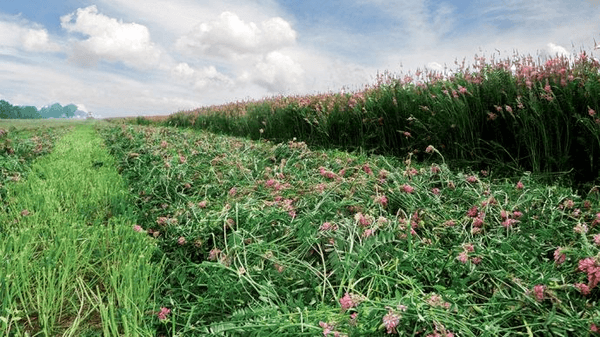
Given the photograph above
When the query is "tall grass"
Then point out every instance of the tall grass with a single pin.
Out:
(519, 114)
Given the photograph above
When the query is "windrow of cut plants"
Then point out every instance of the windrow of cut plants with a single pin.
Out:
(265, 239)
(515, 113)
(19, 148)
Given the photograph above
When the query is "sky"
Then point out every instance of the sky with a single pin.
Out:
(154, 57)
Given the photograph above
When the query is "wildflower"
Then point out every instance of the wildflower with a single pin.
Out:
(463, 257)
(594, 328)
(214, 254)
(476, 260)
(381, 200)
(328, 226)
(161, 220)
(508, 108)
(559, 256)
(182, 159)
(407, 188)
(137, 228)
(462, 90)
(368, 232)
(538, 292)
(390, 321)
(232, 191)
(429, 149)
(472, 212)
(589, 266)
(367, 169)
(520, 185)
(449, 223)
(163, 144)
(202, 204)
(509, 223)
(580, 228)
(451, 185)
(347, 302)
(435, 191)
(591, 112)
(472, 179)
(435, 169)
(181, 241)
(478, 222)
(492, 116)
(162, 314)
(517, 214)
(569, 203)
(583, 288)
(279, 267)
(597, 239)
(469, 247)
(292, 214)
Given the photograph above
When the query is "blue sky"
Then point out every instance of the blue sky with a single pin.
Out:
(155, 57)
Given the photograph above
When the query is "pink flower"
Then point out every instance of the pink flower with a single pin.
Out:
(517, 214)
(347, 302)
(368, 232)
(463, 257)
(367, 169)
(597, 239)
(520, 185)
(538, 292)
(182, 159)
(381, 200)
(202, 204)
(407, 134)
(232, 191)
(214, 253)
(477, 222)
(472, 212)
(509, 223)
(138, 228)
(407, 188)
(435, 169)
(559, 256)
(462, 89)
(508, 108)
(469, 247)
(472, 179)
(435, 191)
(583, 288)
(390, 321)
(591, 112)
(594, 328)
(449, 223)
(181, 241)
(476, 260)
(429, 149)
(162, 314)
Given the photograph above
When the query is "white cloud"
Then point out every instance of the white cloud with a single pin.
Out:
(231, 37)
(26, 37)
(110, 40)
(278, 73)
(201, 78)
(38, 40)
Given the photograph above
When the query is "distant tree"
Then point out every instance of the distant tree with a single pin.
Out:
(29, 112)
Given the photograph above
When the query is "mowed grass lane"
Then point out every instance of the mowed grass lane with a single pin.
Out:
(72, 265)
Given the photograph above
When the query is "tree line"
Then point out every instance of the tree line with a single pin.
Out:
(9, 111)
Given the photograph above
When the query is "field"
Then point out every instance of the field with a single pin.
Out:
(117, 229)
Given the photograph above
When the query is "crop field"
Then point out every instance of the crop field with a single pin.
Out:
(201, 224)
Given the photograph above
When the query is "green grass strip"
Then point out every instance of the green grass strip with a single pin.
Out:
(72, 263)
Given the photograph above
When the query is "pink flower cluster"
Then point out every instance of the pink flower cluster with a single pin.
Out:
(507, 221)
(592, 269)
(328, 329)
(162, 314)
(390, 321)
(350, 301)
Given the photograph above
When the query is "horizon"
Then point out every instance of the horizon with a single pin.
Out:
(118, 58)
